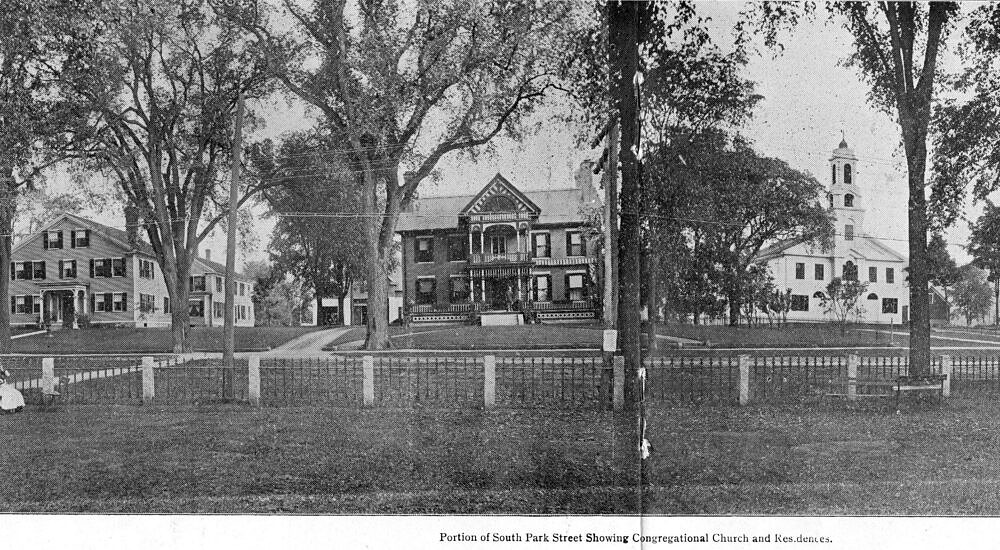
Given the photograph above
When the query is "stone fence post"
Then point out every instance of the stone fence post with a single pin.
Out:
(253, 377)
(946, 371)
(744, 362)
(490, 382)
(368, 382)
(48, 375)
(852, 376)
(148, 380)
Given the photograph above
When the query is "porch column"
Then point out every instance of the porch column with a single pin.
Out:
(482, 287)
(482, 240)
(520, 294)
(470, 243)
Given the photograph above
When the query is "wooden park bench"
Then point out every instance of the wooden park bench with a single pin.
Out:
(897, 387)
(927, 382)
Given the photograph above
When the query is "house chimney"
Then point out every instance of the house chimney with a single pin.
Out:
(584, 177)
(132, 225)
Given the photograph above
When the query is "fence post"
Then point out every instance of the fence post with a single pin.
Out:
(148, 384)
(490, 381)
(48, 375)
(368, 383)
(619, 380)
(253, 376)
(946, 371)
(744, 379)
(852, 377)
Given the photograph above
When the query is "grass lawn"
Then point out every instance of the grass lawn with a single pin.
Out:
(467, 337)
(152, 340)
(231, 459)
(826, 459)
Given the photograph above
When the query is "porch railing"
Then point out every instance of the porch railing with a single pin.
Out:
(507, 257)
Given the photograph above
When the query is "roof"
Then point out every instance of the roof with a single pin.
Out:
(778, 247)
(120, 237)
(556, 206)
(500, 185)
(212, 266)
(843, 150)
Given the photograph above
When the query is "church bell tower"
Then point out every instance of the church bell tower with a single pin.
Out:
(845, 198)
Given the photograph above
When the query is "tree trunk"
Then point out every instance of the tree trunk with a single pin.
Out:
(341, 302)
(178, 290)
(381, 238)
(623, 19)
(8, 205)
(996, 302)
(920, 321)
(734, 307)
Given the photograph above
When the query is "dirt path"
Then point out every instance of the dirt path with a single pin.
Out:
(312, 342)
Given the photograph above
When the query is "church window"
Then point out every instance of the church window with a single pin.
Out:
(890, 305)
(850, 271)
(800, 302)
(848, 232)
(848, 200)
(847, 174)
(890, 275)
(873, 296)
(872, 274)
(819, 272)
(833, 174)
(800, 270)
(819, 295)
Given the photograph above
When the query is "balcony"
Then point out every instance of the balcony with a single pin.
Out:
(477, 258)
(489, 217)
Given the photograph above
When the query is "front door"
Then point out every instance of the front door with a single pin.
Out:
(68, 309)
(500, 293)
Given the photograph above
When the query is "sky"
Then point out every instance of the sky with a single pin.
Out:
(810, 99)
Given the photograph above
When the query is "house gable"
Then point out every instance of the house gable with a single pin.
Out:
(100, 239)
(500, 195)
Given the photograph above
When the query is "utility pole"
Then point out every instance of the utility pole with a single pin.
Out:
(624, 21)
(229, 319)
(610, 314)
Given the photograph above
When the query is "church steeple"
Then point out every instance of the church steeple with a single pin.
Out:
(845, 195)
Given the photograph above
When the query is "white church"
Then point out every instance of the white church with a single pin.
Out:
(806, 269)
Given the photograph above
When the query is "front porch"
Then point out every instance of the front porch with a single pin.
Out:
(532, 311)
(63, 304)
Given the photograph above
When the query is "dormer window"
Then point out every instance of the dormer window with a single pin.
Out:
(847, 174)
(849, 200)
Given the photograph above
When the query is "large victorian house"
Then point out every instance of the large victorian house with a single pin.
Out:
(501, 256)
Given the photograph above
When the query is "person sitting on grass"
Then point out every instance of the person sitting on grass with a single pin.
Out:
(11, 400)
